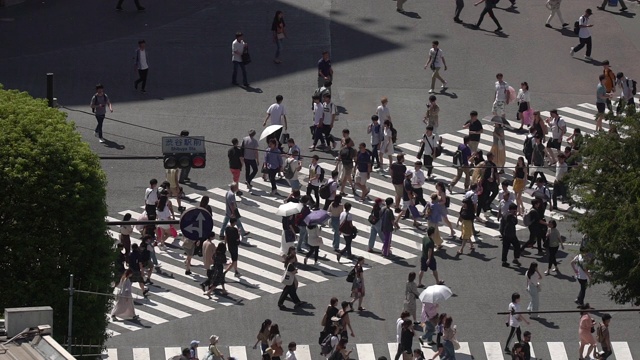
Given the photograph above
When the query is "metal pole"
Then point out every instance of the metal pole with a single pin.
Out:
(70, 325)
(50, 89)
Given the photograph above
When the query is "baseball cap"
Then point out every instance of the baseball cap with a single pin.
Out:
(194, 342)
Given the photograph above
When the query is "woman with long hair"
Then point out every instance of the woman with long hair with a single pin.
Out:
(498, 148)
(335, 209)
(520, 175)
(448, 335)
(125, 232)
(275, 342)
(533, 286)
(539, 125)
(163, 213)
(263, 335)
(123, 307)
(219, 260)
(442, 200)
(279, 34)
(584, 331)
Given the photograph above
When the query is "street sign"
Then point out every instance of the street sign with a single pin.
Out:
(196, 224)
(181, 144)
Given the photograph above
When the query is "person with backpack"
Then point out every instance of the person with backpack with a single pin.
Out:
(331, 339)
(537, 160)
(377, 134)
(348, 231)
(509, 236)
(467, 215)
(292, 166)
(554, 241)
(603, 337)
(490, 177)
(376, 224)
(461, 163)
(558, 130)
(581, 28)
(528, 145)
(542, 193)
(303, 238)
(536, 224)
(627, 98)
(316, 176)
(427, 151)
(99, 103)
(488, 9)
(347, 155)
(328, 190)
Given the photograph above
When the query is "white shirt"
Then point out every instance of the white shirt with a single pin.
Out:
(581, 274)
(429, 144)
(557, 126)
(290, 355)
(276, 111)
(561, 170)
(504, 206)
(329, 109)
(436, 58)
(318, 113)
(513, 319)
(345, 216)
(151, 196)
(333, 187)
(399, 329)
(544, 189)
(584, 31)
(418, 179)
(523, 96)
(383, 114)
(501, 91)
(512, 195)
(239, 47)
(143, 60)
(313, 171)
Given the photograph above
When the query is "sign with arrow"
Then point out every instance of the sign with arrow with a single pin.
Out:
(196, 224)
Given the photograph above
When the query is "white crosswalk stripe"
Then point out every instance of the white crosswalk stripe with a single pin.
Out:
(488, 350)
(175, 295)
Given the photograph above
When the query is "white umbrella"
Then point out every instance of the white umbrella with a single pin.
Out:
(289, 209)
(269, 130)
(435, 294)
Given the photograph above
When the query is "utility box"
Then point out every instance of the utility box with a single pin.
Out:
(18, 319)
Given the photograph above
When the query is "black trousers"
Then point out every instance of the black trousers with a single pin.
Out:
(318, 134)
(428, 163)
(314, 189)
(518, 335)
(508, 242)
(459, 6)
(491, 15)
(419, 199)
(327, 203)
(583, 42)
(292, 292)
(559, 189)
(374, 155)
(142, 78)
(535, 176)
(313, 250)
(272, 178)
(553, 251)
(326, 132)
(534, 238)
(583, 291)
(100, 119)
(489, 193)
(253, 165)
(347, 245)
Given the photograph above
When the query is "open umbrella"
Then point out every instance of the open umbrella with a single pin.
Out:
(289, 209)
(499, 120)
(317, 217)
(435, 294)
(269, 130)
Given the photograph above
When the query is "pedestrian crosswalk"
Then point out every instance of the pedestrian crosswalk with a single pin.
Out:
(175, 295)
(489, 350)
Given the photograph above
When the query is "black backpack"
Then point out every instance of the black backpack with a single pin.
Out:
(145, 254)
(288, 170)
(576, 26)
(457, 158)
(325, 190)
(527, 149)
(325, 346)
(634, 86)
(345, 156)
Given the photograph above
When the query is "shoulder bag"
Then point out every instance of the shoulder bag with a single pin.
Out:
(246, 57)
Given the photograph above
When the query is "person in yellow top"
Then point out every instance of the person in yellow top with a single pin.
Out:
(214, 353)
(609, 81)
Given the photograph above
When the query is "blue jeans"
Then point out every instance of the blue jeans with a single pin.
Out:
(154, 259)
(335, 225)
(278, 47)
(449, 352)
(294, 183)
(374, 154)
(226, 221)
(375, 230)
(429, 331)
(303, 238)
(235, 72)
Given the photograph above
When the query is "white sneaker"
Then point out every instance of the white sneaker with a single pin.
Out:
(588, 58)
(101, 140)
(431, 91)
(572, 52)
(444, 85)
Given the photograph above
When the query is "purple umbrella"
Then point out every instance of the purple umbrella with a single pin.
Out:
(317, 217)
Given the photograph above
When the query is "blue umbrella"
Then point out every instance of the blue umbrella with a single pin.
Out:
(317, 217)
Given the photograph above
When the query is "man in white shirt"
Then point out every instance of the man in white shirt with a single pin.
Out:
(314, 180)
(330, 114)
(237, 48)
(430, 142)
(582, 274)
(318, 121)
(559, 188)
(541, 192)
(501, 96)
(417, 180)
(435, 62)
(142, 66)
(558, 129)
(584, 34)
(291, 354)
(383, 111)
(151, 197)
(277, 113)
(626, 85)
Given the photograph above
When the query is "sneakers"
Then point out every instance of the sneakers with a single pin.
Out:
(431, 91)
(444, 85)
(548, 25)
(572, 52)
(565, 25)
(101, 140)
(600, 8)
(588, 58)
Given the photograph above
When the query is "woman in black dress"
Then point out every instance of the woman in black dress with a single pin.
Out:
(219, 260)
(406, 339)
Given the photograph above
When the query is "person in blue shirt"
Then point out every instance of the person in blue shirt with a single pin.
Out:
(273, 163)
